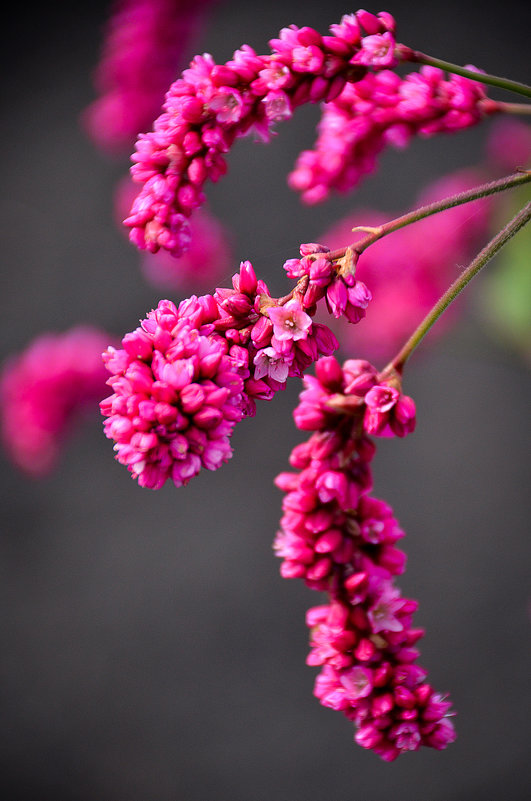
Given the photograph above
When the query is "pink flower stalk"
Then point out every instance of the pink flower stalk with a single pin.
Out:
(146, 42)
(207, 261)
(44, 389)
(341, 540)
(379, 110)
(409, 270)
(188, 374)
(211, 105)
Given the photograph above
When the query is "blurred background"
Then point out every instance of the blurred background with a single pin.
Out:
(150, 648)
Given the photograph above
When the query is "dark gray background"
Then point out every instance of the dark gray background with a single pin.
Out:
(150, 648)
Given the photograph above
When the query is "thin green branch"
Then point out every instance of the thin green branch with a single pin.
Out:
(376, 233)
(523, 217)
(407, 54)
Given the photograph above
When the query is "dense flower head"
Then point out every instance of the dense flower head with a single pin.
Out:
(146, 42)
(188, 374)
(342, 540)
(211, 105)
(44, 389)
(409, 270)
(383, 109)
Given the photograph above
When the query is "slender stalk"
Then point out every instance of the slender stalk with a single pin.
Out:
(491, 188)
(407, 54)
(523, 217)
(514, 108)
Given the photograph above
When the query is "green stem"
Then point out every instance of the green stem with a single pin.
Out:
(406, 54)
(514, 108)
(510, 181)
(523, 217)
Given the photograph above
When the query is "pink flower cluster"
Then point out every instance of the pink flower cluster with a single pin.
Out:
(188, 374)
(341, 540)
(344, 295)
(383, 109)
(44, 389)
(409, 270)
(212, 105)
(146, 42)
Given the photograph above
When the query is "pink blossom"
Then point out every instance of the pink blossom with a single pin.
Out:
(207, 260)
(45, 389)
(290, 322)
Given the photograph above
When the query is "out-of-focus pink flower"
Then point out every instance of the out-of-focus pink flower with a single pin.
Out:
(410, 269)
(146, 42)
(509, 144)
(44, 389)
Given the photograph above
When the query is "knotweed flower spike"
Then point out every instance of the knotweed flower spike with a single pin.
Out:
(44, 389)
(212, 105)
(188, 374)
(340, 539)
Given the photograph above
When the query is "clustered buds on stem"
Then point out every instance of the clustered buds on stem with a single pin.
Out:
(341, 540)
(188, 374)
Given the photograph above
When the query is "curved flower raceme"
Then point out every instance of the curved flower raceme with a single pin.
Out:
(340, 539)
(211, 105)
(44, 389)
(146, 42)
(383, 109)
(188, 374)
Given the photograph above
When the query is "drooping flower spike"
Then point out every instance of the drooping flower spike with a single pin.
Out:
(211, 105)
(341, 540)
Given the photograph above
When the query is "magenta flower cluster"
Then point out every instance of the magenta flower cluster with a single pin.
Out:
(188, 374)
(383, 109)
(211, 105)
(332, 280)
(44, 389)
(340, 539)
(146, 43)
